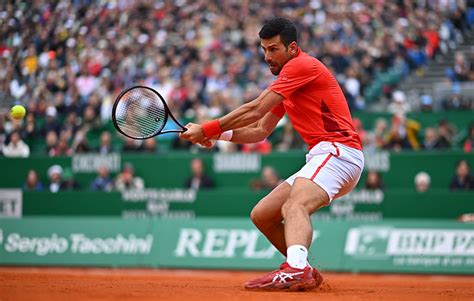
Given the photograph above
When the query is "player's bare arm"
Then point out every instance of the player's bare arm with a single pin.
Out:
(256, 132)
(243, 116)
(253, 133)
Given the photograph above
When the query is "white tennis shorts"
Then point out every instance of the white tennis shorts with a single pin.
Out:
(336, 168)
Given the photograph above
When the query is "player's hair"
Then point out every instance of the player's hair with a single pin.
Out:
(279, 26)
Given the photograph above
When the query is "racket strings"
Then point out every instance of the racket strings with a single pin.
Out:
(140, 113)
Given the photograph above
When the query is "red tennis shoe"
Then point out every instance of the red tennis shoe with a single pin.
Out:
(285, 278)
(318, 278)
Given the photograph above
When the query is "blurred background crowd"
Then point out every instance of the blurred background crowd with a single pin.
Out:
(67, 60)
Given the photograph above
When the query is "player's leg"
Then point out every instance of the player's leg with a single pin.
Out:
(266, 216)
(306, 197)
(331, 171)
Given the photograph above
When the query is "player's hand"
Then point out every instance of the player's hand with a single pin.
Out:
(208, 143)
(193, 134)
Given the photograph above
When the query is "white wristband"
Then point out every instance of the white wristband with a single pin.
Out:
(226, 136)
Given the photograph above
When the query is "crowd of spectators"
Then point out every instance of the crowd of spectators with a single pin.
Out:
(63, 179)
(67, 60)
(462, 179)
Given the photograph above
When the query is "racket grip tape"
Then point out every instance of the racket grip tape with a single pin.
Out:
(211, 128)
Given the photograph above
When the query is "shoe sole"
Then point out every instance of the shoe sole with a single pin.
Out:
(317, 277)
(288, 286)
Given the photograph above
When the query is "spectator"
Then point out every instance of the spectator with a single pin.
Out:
(72, 123)
(61, 149)
(126, 180)
(90, 120)
(86, 83)
(105, 146)
(359, 128)
(80, 144)
(102, 182)
(370, 143)
(399, 105)
(426, 103)
(460, 71)
(469, 142)
(51, 142)
(149, 146)
(30, 131)
(269, 180)
(381, 133)
(432, 37)
(55, 174)
(422, 182)
(403, 134)
(69, 182)
(32, 183)
(374, 181)
(430, 141)
(445, 135)
(51, 122)
(353, 88)
(462, 180)
(16, 147)
(198, 179)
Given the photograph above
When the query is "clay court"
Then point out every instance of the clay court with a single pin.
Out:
(18, 283)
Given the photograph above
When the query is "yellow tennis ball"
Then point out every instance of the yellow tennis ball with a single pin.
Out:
(18, 112)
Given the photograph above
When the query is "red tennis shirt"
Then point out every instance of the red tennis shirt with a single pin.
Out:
(314, 102)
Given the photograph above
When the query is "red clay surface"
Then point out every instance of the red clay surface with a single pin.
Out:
(26, 283)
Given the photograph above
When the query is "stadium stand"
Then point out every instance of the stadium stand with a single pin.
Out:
(74, 192)
(70, 59)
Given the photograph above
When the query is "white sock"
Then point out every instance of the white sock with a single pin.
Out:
(297, 256)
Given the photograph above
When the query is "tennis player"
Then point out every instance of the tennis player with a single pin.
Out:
(307, 91)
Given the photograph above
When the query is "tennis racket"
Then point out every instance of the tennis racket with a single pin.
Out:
(141, 112)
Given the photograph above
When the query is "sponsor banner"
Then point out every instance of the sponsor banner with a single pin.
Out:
(59, 241)
(378, 161)
(11, 203)
(389, 246)
(235, 163)
(157, 202)
(357, 205)
(411, 248)
(217, 243)
(90, 163)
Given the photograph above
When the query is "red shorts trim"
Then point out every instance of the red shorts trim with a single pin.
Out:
(321, 166)
(337, 149)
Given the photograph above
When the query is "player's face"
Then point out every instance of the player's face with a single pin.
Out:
(276, 54)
